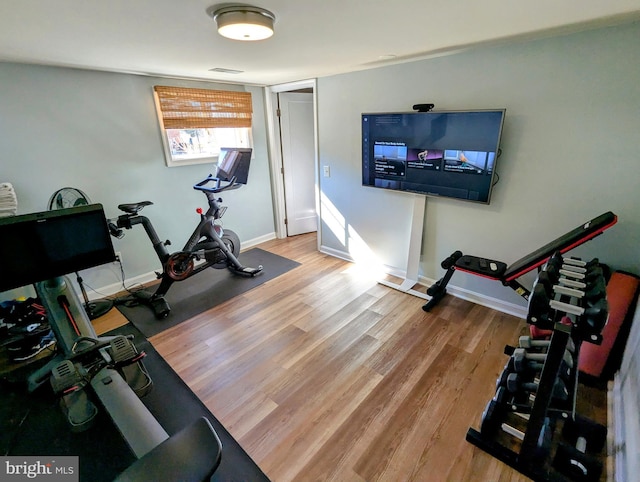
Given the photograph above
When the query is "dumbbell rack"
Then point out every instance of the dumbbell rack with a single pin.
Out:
(533, 456)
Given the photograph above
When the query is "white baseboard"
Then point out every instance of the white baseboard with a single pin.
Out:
(489, 302)
(336, 253)
(474, 297)
(256, 241)
(130, 283)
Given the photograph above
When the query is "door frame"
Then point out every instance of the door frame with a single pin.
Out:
(275, 156)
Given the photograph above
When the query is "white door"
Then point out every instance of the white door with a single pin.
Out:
(298, 161)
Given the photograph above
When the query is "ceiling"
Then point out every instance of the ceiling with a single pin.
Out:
(313, 38)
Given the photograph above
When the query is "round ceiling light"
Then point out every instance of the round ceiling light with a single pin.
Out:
(243, 22)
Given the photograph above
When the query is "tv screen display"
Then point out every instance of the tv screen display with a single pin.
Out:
(234, 161)
(41, 246)
(449, 154)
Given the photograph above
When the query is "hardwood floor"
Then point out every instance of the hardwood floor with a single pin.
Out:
(324, 374)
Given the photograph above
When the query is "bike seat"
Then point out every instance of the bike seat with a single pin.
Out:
(133, 208)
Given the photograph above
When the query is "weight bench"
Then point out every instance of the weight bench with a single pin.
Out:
(508, 275)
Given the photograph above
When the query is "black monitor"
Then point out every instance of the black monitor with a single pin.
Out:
(41, 246)
(234, 161)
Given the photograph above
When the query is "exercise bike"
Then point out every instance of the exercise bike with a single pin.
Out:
(219, 248)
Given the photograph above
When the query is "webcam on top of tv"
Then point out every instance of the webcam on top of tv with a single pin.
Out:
(423, 107)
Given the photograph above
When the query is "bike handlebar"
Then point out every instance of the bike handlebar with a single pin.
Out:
(231, 184)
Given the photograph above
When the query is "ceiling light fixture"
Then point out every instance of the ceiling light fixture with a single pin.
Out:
(243, 22)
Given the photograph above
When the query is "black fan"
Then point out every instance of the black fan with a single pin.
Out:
(69, 197)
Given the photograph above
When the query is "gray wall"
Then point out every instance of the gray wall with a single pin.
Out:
(99, 132)
(569, 153)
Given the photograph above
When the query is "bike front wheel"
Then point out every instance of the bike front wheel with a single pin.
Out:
(218, 258)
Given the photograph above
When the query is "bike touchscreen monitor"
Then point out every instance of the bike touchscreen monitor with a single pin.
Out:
(234, 161)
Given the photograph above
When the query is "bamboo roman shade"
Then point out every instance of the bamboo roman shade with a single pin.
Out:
(183, 108)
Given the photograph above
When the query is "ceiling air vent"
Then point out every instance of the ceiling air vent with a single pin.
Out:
(226, 71)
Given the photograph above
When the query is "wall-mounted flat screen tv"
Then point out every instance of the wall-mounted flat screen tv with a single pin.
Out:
(446, 154)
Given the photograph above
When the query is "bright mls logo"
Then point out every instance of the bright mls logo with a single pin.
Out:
(52, 469)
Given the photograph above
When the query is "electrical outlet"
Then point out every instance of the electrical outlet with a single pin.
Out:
(118, 257)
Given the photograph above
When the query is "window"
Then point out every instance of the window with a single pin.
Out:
(196, 123)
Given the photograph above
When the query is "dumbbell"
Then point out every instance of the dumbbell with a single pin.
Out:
(591, 282)
(595, 291)
(495, 413)
(589, 285)
(594, 271)
(572, 460)
(578, 262)
(594, 318)
(515, 383)
(572, 267)
(501, 381)
(547, 279)
(552, 270)
(567, 357)
(552, 277)
(519, 363)
(588, 291)
(585, 275)
(523, 368)
(578, 266)
(555, 261)
(513, 366)
(573, 263)
(528, 342)
(539, 312)
(493, 420)
(583, 431)
(542, 302)
(502, 396)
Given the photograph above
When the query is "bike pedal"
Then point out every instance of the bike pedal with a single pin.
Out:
(122, 349)
(125, 354)
(248, 271)
(65, 376)
(79, 410)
